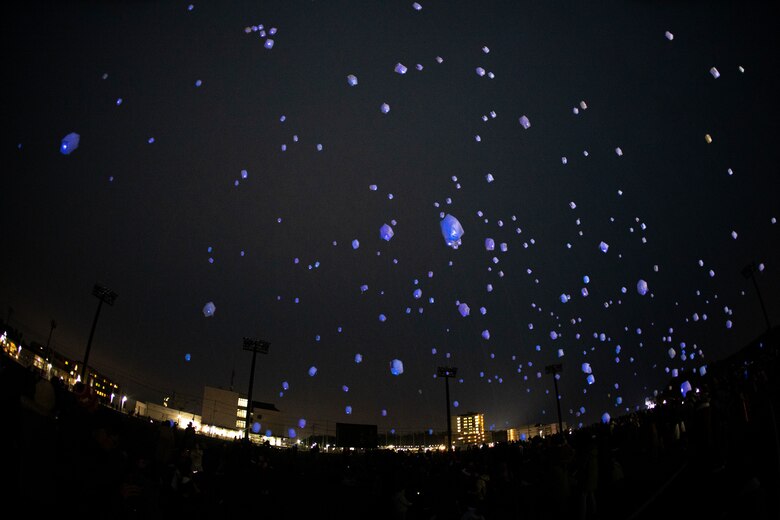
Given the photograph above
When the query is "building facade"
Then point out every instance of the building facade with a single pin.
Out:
(469, 429)
(528, 432)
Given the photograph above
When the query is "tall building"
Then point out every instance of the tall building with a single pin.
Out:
(469, 428)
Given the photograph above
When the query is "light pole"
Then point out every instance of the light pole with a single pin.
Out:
(447, 373)
(48, 341)
(749, 271)
(255, 346)
(105, 295)
(555, 370)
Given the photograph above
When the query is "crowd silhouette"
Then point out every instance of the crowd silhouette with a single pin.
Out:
(714, 453)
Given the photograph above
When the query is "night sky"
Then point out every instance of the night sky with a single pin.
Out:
(153, 203)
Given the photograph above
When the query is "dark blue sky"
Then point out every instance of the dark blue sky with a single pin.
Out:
(140, 217)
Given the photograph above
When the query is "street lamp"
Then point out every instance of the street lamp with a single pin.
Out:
(255, 346)
(447, 373)
(749, 271)
(555, 370)
(105, 295)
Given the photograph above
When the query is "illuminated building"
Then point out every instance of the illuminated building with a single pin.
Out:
(227, 411)
(528, 432)
(469, 428)
(159, 413)
(53, 365)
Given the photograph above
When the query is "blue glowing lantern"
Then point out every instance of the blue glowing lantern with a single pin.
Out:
(69, 143)
(386, 232)
(209, 309)
(396, 367)
(452, 231)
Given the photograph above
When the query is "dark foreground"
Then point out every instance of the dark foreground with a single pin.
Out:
(715, 454)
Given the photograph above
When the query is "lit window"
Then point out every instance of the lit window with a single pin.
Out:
(242, 402)
(241, 424)
(240, 413)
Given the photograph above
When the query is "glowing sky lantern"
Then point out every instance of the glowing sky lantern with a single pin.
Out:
(641, 287)
(590, 379)
(256, 427)
(385, 108)
(464, 310)
(604, 247)
(400, 68)
(208, 309)
(490, 244)
(685, 387)
(352, 80)
(69, 143)
(416, 6)
(525, 122)
(312, 371)
(396, 367)
(355, 244)
(301, 423)
(485, 334)
(605, 418)
(358, 358)
(452, 231)
(187, 357)
(386, 232)
(669, 35)
(586, 368)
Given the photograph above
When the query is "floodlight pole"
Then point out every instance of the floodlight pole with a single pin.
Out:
(749, 271)
(48, 341)
(447, 373)
(254, 345)
(104, 295)
(555, 370)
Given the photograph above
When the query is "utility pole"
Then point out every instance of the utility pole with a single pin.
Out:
(255, 346)
(105, 295)
(447, 373)
(555, 370)
(749, 271)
